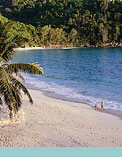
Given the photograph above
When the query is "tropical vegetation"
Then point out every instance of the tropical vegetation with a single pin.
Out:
(64, 22)
(10, 87)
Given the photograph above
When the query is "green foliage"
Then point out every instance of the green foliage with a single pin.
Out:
(27, 33)
(52, 36)
(26, 67)
(10, 87)
(73, 37)
(96, 21)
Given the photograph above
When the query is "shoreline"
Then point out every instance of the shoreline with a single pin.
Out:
(61, 97)
(78, 101)
(57, 96)
(65, 48)
(42, 48)
(52, 122)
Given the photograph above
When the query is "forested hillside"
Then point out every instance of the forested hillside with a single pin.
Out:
(66, 22)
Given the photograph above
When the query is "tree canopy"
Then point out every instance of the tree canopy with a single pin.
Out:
(67, 22)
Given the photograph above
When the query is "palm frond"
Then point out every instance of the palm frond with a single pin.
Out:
(6, 92)
(31, 68)
(18, 85)
(7, 49)
(18, 74)
(6, 89)
(8, 52)
(3, 73)
(1, 60)
(17, 96)
(1, 101)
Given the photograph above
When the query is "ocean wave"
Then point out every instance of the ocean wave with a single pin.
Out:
(69, 92)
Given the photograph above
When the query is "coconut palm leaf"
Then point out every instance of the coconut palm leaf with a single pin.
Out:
(1, 60)
(1, 101)
(30, 68)
(10, 87)
(6, 92)
(18, 74)
(6, 89)
(18, 85)
(17, 96)
(7, 48)
(8, 52)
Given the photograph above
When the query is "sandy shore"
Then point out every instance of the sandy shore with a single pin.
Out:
(41, 48)
(27, 48)
(51, 122)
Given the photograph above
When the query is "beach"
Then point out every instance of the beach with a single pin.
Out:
(78, 73)
(42, 48)
(51, 122)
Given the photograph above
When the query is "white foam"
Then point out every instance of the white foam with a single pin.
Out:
(69, 92)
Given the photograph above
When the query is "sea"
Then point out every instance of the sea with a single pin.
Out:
(89, 75)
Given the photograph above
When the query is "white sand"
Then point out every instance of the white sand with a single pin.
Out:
(50, 122)
(28, 48)
(41, 48)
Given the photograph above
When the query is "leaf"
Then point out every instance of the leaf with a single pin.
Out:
(6, 89)
(17, 96)
(17, 84)
(1, 102)
(20, 76)
(8, 52)
(30, 68)
(6, 92)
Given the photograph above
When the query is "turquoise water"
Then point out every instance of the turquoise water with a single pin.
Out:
(91, 75)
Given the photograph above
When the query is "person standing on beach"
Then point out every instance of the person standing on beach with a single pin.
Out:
(95, 106)
(102, 105)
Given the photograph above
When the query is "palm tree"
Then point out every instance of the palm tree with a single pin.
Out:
(10, 86)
